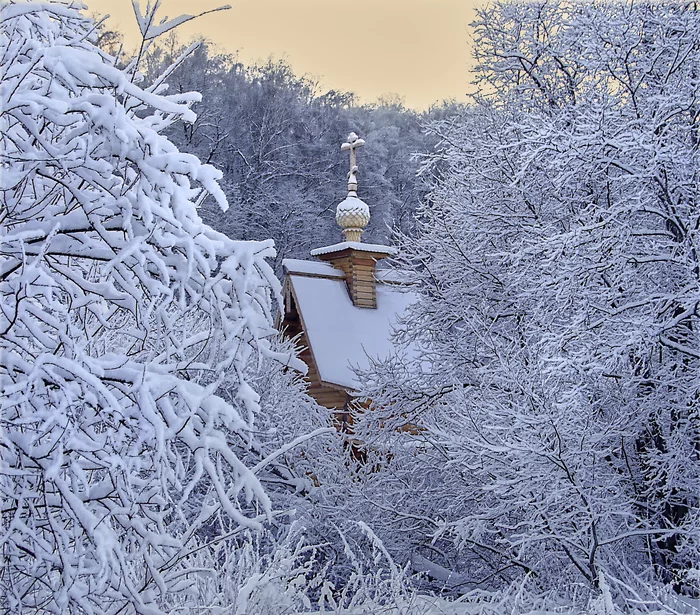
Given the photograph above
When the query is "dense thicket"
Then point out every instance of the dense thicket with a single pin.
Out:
(556, 387)
(132, 335)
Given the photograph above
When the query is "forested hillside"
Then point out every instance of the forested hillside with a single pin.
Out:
(276, 136)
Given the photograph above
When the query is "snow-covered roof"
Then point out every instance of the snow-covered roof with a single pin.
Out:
(356, 245)
(341, 335)
(312, 268)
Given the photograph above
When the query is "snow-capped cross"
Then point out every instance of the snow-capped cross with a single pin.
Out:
(352, 144)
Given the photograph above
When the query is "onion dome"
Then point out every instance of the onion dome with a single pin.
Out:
(352, 215)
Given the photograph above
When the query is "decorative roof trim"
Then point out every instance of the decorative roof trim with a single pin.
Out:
(355, 245)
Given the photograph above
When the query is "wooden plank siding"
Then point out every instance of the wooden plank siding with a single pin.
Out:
(359, 268)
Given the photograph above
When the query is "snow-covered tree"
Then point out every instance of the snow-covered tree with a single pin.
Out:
(128, 327)
(557, 389)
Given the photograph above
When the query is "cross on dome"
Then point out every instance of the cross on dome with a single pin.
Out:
(352, 215)
(352, 144)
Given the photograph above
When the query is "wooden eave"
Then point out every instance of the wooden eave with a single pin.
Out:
(329, 257)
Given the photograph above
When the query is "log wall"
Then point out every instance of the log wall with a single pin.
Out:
(359, 268)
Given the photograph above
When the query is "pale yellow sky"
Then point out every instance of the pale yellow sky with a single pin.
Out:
(419, 49)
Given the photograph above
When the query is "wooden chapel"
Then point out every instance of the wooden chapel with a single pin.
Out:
(340, 307)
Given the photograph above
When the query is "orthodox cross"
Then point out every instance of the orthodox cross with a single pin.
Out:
(352, 144)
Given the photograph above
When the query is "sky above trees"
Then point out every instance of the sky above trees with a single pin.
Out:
(418, 49)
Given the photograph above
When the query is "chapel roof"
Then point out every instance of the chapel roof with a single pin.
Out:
(343, 337)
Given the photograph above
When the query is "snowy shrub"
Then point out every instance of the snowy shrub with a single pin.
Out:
(122, 318)
(262, 575)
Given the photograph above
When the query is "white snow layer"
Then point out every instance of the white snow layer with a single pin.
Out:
(353, 204)
(344, 337)
(317, 268)
(357, 245)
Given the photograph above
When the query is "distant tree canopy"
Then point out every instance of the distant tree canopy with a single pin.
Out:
(277, 139)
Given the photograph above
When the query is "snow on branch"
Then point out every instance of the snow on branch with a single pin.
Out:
(123, 318)
(149, 30)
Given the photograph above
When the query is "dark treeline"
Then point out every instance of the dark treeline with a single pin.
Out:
(276, 137)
